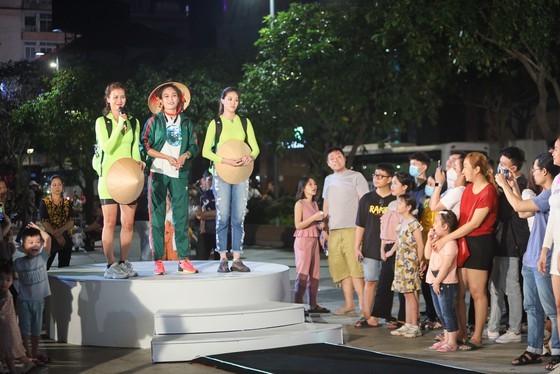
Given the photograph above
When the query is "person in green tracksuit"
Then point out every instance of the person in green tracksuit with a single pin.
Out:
(168, 142)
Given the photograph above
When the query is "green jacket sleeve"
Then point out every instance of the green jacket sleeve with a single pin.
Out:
(209, 143)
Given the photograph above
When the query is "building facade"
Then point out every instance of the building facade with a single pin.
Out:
(26, 30)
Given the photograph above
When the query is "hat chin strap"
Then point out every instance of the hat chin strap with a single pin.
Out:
(173, 114)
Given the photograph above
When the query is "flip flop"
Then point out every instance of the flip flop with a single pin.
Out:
(342, 312)
(468, 346)
(362, 324)
(318, 309)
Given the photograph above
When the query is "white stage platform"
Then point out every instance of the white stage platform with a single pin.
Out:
(87, 309)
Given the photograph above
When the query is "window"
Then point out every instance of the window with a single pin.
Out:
(45, 22)
(30, 23)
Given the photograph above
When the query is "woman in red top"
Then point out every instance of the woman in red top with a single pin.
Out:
(479, 207)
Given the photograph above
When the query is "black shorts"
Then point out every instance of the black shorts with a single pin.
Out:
(111, 201)
(482, 252)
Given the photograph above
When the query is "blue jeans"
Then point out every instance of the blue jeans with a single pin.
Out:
(231, 206)
(538, 301)
(445, 305)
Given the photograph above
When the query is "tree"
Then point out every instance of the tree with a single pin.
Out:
(491, 36)
(318, 69)
(18, 83)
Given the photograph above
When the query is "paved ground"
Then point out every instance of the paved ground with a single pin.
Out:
(69, 359)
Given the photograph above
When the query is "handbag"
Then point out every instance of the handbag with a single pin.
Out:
(463, 253)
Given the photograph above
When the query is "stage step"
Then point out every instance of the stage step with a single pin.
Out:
(227, 318)
(187, 347)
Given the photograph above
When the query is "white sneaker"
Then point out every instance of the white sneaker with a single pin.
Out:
(509, 337)
(400, 331)
(115, 271)
(492, 335)
(413, 332)
(128, 269)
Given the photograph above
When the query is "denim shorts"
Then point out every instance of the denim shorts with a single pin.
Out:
(372, 268)
(30, 315)
(444, 303)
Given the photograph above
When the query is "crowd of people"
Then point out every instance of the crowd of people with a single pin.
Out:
(468, 227)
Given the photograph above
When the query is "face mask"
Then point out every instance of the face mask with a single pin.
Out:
(414, 171)
(428, 190)
(451, 177)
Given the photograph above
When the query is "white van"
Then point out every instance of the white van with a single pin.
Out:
(369, 155)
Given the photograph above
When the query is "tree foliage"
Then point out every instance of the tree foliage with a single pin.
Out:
(318, 68)
(489, 37)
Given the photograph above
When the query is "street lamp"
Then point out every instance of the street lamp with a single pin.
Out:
(54, 64)
(29, 153)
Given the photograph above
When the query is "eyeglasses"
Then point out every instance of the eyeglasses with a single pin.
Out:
(535, 169)
(380, 176)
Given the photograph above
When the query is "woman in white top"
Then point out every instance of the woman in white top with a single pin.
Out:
(552, 235)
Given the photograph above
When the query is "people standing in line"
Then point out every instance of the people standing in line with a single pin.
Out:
(168, 143)
(479, 208)
(419, 163)
(142, 225)
(552, 240)
(401, 183)
(308, 220)
(512, 234)
(409, 252)
(426, 219)
(33, 287)
(451, 197)
(367, 245)
(57, 218)
(452, 170)
(27, 209)
(442, 277)
(122, 142)
(206, 213)
(231, 199)
(11, 343)
(538, 295)
(342, 192)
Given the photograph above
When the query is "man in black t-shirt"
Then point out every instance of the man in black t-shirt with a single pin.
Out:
(368, 242)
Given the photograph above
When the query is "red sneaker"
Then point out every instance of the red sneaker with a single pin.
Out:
(160, 269)
(185, 266)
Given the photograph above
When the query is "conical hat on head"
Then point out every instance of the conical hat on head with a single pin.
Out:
(125, 180)
(234, 149)
(155, 104)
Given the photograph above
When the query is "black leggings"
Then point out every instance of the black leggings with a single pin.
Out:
(383, 302)
(64, 253)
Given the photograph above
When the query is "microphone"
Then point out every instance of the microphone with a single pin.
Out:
(121, 112)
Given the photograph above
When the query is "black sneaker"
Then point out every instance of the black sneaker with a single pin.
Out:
(237, 265)
(223, 267)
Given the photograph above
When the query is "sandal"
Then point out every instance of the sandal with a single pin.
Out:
(363, 324)
(394, 324)
(318, 309)
(527, 358)
(436, 346)
(439, 337)
(447, 348)
(469, 346)
(553, 363)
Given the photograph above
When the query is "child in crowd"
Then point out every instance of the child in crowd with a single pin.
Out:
(409, 250)
(33, 287)
(442, 275)
(11, 345)
(306, 244)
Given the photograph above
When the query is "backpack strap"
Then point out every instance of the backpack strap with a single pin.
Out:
(219, 127)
